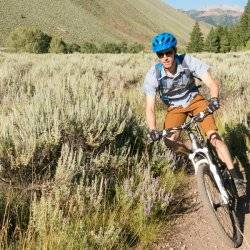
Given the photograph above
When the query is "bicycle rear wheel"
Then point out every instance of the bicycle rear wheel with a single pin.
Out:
(223, 217)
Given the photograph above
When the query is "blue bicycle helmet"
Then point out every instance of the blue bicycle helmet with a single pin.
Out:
(163, 41)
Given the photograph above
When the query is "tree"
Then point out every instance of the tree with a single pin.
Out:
(71, 48)
(28, 39)
(212, 43)
(57, 45)
(208, 41)
(196, 39)
(135, 48)
(123, 47)
(215, 42)
(89, 47)
(223, 39)
(110, 47)
(225, 44)
(244, 25)
(218, 36)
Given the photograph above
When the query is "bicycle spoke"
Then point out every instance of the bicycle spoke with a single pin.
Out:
(222, 212)
(226, 220)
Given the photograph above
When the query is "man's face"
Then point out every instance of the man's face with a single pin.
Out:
(167, 58)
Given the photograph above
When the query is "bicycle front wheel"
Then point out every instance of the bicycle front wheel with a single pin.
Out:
(223, 217)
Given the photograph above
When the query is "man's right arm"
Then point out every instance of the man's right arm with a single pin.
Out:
(150, 112)
(149, 87)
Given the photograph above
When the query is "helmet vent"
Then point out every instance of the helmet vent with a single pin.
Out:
(163, 41)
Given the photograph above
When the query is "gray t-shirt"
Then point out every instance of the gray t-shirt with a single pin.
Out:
(177, 81)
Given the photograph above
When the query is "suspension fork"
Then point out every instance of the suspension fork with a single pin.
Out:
(198, 149)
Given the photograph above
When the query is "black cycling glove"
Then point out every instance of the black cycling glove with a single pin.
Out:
(154, 135)
(214, 104)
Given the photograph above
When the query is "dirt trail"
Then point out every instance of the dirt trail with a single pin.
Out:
(193, 231)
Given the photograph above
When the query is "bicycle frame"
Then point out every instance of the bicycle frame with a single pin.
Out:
(199, 147)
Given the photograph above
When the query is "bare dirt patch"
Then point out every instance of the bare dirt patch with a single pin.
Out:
(192, 229)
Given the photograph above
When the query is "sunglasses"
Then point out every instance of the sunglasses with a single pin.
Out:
(167, 53)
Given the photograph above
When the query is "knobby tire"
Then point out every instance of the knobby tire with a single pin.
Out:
(233, 238)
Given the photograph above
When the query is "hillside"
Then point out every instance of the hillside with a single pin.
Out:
(216, 16)
(96, 20)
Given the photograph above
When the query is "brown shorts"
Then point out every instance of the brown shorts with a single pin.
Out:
(177, 115)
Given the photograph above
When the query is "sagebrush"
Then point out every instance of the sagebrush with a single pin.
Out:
(76, 169)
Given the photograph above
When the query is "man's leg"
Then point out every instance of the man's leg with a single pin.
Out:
(174, 118)
(177, 116)
(225, 156)
(221, 148)
(209, 127)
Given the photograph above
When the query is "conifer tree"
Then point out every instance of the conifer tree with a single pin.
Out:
(224, 44)
(196, 39)
(215, 43)
(234, 36)
(208, 41)
(212, 42)
(239, 34)
(244, 25)
(223, 34)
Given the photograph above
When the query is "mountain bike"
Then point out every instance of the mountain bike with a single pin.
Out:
(215, 184)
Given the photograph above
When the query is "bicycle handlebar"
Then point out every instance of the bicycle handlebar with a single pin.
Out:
(199, 117)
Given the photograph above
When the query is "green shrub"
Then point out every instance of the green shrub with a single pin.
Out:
(248, 45)
(123, 47)
(57, 45)
(135, 48)
(28, 39)
(71, 48)
(112, 48)
(89, 47)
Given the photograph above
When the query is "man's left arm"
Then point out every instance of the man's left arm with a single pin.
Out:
(213, 86)
(202, 70)
(211, 83)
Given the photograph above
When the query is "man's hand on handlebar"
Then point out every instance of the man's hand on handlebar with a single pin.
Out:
(153, 135)
(214, 104)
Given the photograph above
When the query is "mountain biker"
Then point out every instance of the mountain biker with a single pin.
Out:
(174, 79)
